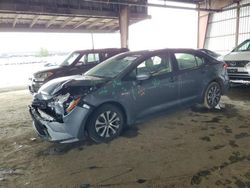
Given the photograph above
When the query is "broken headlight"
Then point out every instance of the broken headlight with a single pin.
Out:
(64, 104)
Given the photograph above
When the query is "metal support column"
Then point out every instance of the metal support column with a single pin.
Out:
(237, 24)
(203, 18)
(124, 26)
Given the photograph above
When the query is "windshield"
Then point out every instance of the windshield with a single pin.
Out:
(245, 46)
(70, 59)
(112, 67)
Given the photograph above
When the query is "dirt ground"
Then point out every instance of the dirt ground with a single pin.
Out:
(188, 147)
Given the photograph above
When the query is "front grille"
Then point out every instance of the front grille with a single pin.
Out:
(39, 104)
(237, 63)
(49, 115)
(240, 78)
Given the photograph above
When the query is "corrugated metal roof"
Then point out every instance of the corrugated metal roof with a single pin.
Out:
(65, 15)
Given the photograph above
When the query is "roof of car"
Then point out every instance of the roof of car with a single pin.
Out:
(161, 50)
(103, 50)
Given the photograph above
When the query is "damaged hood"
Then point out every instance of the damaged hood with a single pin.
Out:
(51, 88)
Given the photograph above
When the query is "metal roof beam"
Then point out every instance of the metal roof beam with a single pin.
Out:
(51, 22)
(113, 27)
(108, 24)
(67, 21)
(96, 21)
(10, 7)
(81, 23)
(154, 5)
(34, 21)
(15, 21)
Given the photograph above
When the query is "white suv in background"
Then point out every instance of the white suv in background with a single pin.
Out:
(238, 62)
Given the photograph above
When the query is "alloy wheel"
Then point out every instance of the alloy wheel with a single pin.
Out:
(213, 95)
(107, 124)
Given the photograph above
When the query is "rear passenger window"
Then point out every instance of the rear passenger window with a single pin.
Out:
(199, 61)
(93, 58)
(188, 61)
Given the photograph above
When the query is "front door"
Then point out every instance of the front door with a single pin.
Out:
(157, 92)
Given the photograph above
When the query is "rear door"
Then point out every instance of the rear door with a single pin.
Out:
(190, 74)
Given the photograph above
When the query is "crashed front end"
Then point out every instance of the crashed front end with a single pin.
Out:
(60, 114)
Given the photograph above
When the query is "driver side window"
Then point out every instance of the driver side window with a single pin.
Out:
(81, 61)
(155, 65)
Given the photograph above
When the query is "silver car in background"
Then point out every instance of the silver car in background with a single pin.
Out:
(238, 62)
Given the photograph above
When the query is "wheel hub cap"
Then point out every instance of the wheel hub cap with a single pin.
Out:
(213, 95)
(107, 124)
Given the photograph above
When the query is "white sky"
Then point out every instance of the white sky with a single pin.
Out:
(167, 28)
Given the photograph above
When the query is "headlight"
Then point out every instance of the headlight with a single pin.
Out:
(63, 104)
(73, 104)
(40, 77)
(58, 103)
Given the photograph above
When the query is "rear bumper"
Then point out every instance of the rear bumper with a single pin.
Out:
(71, 130)
(225, 88)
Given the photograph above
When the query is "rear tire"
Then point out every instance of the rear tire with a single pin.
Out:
(212, 95)
(106, 123)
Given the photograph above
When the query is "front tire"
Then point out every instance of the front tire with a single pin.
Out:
(212, 95)
(105, 124)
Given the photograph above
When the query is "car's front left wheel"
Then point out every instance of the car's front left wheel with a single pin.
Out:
(106, 123)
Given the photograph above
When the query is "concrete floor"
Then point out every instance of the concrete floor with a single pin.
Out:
(186, 148)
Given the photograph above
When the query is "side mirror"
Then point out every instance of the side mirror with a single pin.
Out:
(142, 77)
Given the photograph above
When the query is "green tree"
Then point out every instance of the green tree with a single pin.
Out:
(43, 52)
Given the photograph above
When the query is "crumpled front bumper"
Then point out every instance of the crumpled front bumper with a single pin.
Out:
(71, 130)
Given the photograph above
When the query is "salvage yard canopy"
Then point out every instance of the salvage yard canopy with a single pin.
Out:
(65, 15)
(72, 15)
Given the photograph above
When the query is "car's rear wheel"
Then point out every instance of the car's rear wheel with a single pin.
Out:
(212, 95)
(106, 123)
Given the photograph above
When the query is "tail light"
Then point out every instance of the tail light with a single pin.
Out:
(225, 66)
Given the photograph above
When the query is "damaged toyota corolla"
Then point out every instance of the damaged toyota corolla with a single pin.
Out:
(124, 89)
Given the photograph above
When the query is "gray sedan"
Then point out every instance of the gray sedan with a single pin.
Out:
(124, 89)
